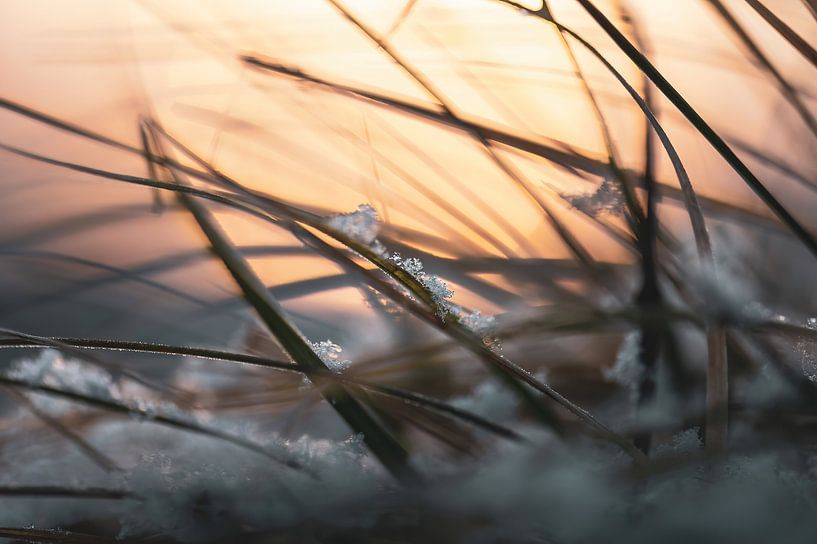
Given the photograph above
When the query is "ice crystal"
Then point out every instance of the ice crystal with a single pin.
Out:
(437, 288)
(606, 199)
(51, 369)
(806, 350)
(480, 324)
(687, 441)
(329, 352)
(808, 360)
(627, 369)
(483, 325)
(361, 225)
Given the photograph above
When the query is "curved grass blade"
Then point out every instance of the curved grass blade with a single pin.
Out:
(145, 415)
(702, 126)
(429, 310)
(789, 92)
(385, 447)
(785, 30)
(217, 355)
(395, 272)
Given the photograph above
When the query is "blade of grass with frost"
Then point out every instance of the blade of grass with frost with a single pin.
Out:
(145, 415)
(217, 355)
(701, 125)
(649, 295)
(785, 30)
(717, 388)
(463, 270)
(113, 369)
(395, 272)
(431, 310)
(388, 451)
(789, 92)
(105, 462)
(636, 213)
(454, 329)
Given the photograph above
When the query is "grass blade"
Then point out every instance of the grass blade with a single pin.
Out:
(217, 355)
(385, 447)
(785, 30)
(702, 126)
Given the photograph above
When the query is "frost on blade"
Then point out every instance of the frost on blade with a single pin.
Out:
(627, 369)
(52, 370)
(361, 225)
(606, 199)
(329, 352)
(437, 288)
(808, 359)
(482, 325)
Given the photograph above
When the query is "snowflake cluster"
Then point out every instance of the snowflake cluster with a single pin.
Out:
(478, 323)
(483, 325)
(437, 288)
(606, 199)
(361, 225)
(329, 352)
(52, 370)
(627, 370)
